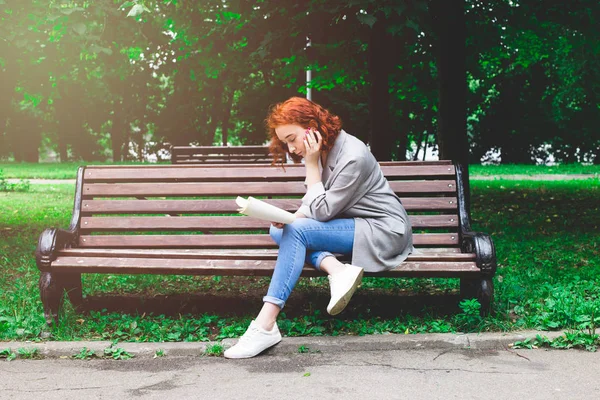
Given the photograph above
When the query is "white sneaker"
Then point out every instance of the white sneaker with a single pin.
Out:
(342, 286)
(254, 341)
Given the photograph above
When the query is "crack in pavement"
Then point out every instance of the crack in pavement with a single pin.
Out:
(422, 369)
(55, 389)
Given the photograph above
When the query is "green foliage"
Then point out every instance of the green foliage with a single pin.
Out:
(214, 350)
(116, 353)
(570, 339)
(303, 349)
(469, 319)
(8, 354)
(120, 79)
(5, 186)
(85, 354)
(29, 353)
(159, 353)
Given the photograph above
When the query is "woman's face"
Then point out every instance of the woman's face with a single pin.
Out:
(293, 136)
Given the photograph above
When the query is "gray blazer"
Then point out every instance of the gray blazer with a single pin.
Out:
(355, 187)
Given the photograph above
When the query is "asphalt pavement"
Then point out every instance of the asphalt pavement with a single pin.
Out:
(421, 366)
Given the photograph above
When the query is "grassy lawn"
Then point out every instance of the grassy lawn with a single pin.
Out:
(491, 170)
(50, 170)
(546, 237)
(69, 170)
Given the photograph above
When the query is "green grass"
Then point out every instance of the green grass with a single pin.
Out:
(491, 170)
(50, 170)
(546, 237)
(69, 170)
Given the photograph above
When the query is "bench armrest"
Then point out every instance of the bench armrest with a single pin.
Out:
(54, 239)
(50, 242)
(473, 242)
(485, 253)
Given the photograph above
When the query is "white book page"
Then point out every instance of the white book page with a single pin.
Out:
(259, 209)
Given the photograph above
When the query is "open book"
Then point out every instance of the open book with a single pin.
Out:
(259, 209)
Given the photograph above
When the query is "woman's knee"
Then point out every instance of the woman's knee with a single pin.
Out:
(275, 234)
(297, 227)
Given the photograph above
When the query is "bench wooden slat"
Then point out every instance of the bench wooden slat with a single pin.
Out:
(242, 189)
(225, 241)
(402, 164)
(220, 161)
(191, 150)
(224, 156)
(221, 158)
(229, 205)
(259, 254)
(239, 267)
(205, 173)
(224, 223)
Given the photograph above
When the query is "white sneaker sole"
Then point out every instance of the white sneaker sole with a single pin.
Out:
(232, 355)
(339, 306)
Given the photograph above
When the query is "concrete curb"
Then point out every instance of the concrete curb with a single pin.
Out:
(291, 345)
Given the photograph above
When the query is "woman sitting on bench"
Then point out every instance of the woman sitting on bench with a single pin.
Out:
(349, 208)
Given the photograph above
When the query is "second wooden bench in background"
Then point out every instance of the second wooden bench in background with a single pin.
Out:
(220, 155)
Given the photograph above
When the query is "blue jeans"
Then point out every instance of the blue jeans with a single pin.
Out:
(305, 241)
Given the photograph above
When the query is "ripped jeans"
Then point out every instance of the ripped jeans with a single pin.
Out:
(305, 241)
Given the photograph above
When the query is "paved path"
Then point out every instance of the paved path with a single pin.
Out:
(430, 373)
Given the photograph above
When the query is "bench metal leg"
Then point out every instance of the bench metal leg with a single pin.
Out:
(468, 288)
(481, 289)
(51, 292)
(485, 296)
(52, 288)
(72, 284)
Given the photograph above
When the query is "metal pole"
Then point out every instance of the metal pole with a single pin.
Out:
(308, 75)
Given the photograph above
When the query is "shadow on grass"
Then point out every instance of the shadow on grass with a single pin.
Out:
(379, 304)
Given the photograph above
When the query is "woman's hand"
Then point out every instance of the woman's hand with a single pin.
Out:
(280, 225)
(312, 146)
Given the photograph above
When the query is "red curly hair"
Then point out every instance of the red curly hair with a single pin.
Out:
(307, 114)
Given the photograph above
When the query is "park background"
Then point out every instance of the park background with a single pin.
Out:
(514, 83)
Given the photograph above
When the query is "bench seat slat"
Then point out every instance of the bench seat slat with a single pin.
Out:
(239, 267)
(242, 188)
(261, 254)
(206, 173)
(230, 206)
(225, 241)
(223, 223)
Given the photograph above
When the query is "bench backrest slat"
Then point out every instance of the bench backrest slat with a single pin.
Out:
(222, 223)
(225, 241)
(206, 173)
(216, 189)
(229, 205)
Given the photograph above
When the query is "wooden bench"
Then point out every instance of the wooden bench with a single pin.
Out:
(220, 155)
(182, 219)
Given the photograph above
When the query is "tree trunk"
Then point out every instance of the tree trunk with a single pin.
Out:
(449, 23)
(215, 118)
(227, 105)
(452, 133)
(381, 137)
(117, 131)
